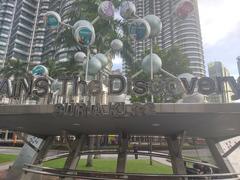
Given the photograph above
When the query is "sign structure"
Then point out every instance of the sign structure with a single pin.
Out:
(40, 86)
(112, 109)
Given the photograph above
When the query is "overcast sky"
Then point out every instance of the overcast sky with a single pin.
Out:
(220, 23)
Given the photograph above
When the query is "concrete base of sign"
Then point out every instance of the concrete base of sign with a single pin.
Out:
(175, 145)
(73, 157)
(122, 153)
(224, 166)
(210, 121)
(29, 155)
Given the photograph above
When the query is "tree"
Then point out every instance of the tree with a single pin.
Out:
(105, 30)
(54, 70)
(174, 61)
(14, 68)
(70, 67)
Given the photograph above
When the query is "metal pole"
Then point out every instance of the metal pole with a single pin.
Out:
(151, 53)
(95, 20)
(88, 57)
(33, 35)
(86, 71)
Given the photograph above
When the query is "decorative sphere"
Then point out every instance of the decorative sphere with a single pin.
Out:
(184, 9)
(106, 10)
(127, 9)
(52, 20)
(139, 29)
(157, 63)
(94, 66)
(102, 58)
(94, 51)
(39, 70)
(84, 33)
(155, 24)
(80, 57)
(116, 45)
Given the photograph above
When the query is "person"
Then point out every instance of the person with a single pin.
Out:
(135, 150)
(191, 171)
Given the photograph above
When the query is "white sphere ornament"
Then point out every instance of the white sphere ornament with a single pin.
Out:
(155, 25)
(102, 58)
(52, 20)
(84, 33)
(116, 45)
(80, 57)
(139, 29)
(106, 10)
(127, 9)
(156, 61)
(94, 66)
(39, 70)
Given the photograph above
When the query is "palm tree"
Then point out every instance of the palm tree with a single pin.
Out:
(70, 67)
(54, 69)
(14, 68)
(106, 31)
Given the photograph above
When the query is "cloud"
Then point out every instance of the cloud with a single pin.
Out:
(219, 18)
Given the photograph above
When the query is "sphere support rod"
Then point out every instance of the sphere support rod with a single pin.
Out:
(151, 53)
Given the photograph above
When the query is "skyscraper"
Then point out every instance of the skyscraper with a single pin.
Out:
(216, 69)
(238, 63)
(23, 29)
(7, 9)
(186, 34)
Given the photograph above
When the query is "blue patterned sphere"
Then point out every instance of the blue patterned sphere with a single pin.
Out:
(52, 20)
(39, 70)
(84, 33)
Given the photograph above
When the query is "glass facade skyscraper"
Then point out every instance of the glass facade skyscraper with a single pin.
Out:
(7, 9)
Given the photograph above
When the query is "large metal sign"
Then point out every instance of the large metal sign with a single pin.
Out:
(40, 86)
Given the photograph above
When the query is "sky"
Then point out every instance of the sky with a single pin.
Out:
(220, 25)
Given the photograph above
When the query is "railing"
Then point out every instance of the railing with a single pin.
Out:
(62, 173)
(130, 152)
